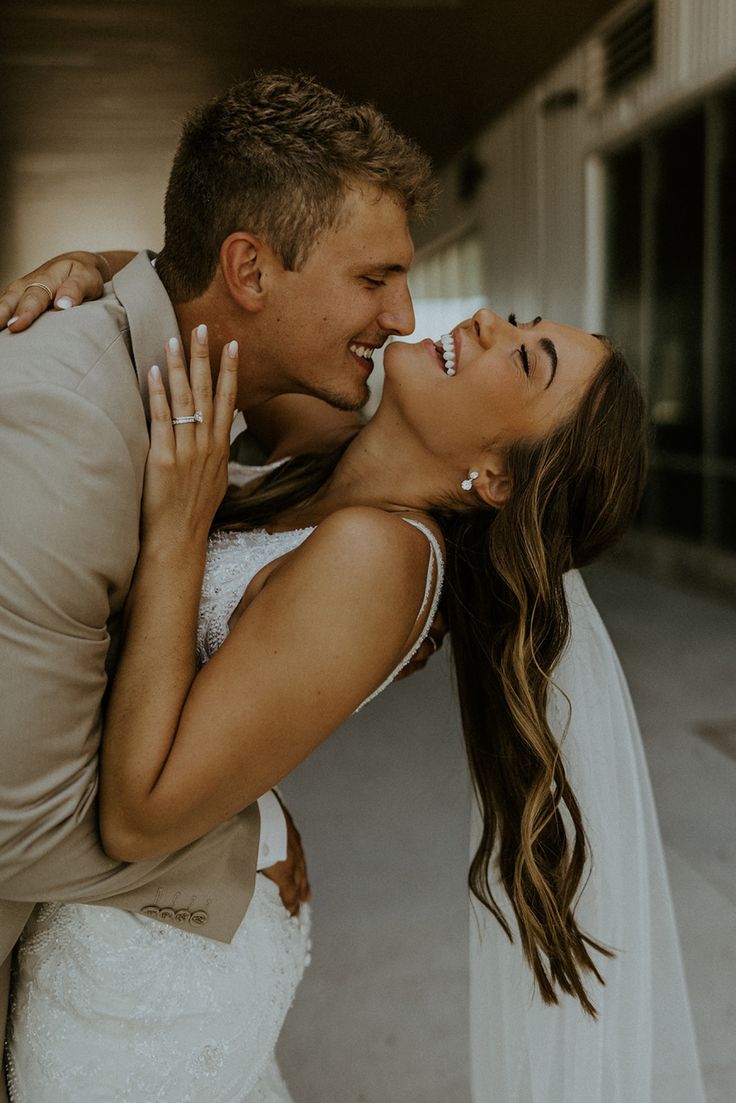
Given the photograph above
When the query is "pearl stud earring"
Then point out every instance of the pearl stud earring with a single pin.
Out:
(467, 484)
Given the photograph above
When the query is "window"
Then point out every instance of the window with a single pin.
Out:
(676, 208)
(624, 229)
(670, 290)
(725, 429)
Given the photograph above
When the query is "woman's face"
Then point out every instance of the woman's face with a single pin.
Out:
(510, 382)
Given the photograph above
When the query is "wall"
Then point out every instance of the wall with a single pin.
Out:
(540, 208)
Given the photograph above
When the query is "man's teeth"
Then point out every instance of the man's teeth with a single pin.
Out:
(447, 349)
(362, 350)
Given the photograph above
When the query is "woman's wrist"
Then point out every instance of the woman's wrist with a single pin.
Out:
(103, 267)
(174, 549)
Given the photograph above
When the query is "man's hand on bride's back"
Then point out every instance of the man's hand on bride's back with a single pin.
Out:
(430, 645)
(63, 281)
(291, 875)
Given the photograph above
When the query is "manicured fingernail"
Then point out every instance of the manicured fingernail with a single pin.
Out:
(13, 319)
(232, 349)
(63, 303)
(173, 345)
(156, 373)
(202, 334)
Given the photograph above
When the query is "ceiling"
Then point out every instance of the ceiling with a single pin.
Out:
(112, 79)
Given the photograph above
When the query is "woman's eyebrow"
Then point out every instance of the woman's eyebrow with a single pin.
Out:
(551, 351)
(549, 348)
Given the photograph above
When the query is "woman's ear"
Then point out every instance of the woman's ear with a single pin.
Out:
(493, 484)
(245, 261)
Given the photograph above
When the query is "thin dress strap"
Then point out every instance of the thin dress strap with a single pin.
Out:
(432, 591)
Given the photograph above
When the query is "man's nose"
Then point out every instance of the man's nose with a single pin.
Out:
(398, 315)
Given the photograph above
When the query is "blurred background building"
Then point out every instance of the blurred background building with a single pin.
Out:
(605, 196)
(587, 152)
(588, 159)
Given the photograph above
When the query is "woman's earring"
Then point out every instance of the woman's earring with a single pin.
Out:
(467, 484)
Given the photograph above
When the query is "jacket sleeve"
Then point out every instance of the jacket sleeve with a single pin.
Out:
(69, 504)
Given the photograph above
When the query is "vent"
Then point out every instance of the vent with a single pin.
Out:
(358, 4)
(628, 48)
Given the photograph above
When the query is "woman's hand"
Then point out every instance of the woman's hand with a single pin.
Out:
(186, 472)
(64, 281)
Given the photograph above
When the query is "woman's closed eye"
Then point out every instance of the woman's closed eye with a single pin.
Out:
(522, 349)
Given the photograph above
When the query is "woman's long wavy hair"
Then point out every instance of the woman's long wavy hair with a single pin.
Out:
(574, 493)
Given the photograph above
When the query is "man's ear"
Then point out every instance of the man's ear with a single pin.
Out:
(245, 262)
(493, 484)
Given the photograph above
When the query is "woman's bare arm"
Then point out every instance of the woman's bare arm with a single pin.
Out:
(71, 278)
(182, 753)
(332, 621)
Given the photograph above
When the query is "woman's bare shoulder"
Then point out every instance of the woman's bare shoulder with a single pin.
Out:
(378, 536)
(360, 554)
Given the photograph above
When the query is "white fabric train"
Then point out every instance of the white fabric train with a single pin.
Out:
(642, 1049)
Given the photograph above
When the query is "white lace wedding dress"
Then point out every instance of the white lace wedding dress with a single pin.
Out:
(113, 1006)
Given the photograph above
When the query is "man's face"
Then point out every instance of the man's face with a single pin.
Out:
(323, 322)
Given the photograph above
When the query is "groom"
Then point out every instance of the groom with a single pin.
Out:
(286, 229)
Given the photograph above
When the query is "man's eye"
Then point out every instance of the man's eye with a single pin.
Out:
(373, 282)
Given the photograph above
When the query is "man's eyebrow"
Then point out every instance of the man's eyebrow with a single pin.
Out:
(384, 268)
(551, 351)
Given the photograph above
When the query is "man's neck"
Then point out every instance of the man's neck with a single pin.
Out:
(225, 325)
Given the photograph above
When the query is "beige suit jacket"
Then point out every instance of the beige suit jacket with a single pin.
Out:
(73, 442)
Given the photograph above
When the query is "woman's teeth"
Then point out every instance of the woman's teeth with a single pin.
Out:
(446, 347)
(362, 350)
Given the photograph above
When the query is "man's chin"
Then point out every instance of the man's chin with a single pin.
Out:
(350, 401)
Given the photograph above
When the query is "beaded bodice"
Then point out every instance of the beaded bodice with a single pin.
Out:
(233, 560)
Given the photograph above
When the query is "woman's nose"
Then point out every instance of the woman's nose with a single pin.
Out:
(486, 323)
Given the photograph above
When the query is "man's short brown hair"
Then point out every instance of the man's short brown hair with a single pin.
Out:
(274, 155)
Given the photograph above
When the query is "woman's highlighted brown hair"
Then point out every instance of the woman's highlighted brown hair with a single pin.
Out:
(574, 493)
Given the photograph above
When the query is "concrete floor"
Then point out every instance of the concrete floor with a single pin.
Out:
(381, 1016)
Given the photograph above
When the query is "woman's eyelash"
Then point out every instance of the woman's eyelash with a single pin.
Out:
(522, 349)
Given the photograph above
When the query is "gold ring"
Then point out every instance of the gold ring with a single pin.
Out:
(433, 641)
(48, 290)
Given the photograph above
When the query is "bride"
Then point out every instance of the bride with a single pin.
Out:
(499, 460)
